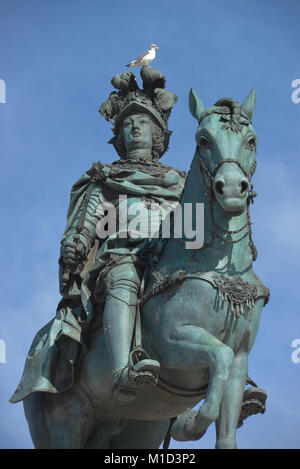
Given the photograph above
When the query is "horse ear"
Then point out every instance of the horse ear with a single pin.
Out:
(195, 104)
(248, 105)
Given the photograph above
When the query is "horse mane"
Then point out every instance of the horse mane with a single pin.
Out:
(231, 114)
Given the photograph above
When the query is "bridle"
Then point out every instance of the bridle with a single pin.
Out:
(208, 177)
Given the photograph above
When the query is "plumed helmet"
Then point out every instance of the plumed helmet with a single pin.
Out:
(153, 99)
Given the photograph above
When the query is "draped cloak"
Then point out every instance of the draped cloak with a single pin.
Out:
(57, 347)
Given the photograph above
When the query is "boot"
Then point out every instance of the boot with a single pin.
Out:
(130, 370)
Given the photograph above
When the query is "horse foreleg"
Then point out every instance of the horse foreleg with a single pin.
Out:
(194, 348)
(231, 403)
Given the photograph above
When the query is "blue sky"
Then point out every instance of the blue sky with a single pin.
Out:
(57, 60)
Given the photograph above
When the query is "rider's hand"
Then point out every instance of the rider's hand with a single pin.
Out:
(73, 253)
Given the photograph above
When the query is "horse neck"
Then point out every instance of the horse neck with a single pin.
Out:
(233, 256)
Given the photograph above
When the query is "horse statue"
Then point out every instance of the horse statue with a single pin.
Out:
(199, 314)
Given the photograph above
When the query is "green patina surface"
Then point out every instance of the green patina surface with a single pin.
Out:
(123, 374)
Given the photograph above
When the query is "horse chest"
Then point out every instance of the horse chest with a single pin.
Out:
(197, 302)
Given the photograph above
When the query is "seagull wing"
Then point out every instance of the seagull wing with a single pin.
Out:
(138, 60)
(142, 56)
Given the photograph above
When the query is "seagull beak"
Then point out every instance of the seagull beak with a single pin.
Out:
(156, 47)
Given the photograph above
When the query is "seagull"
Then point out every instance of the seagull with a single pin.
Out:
(145, 58)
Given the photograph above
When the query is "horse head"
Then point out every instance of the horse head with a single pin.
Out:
(226, 146)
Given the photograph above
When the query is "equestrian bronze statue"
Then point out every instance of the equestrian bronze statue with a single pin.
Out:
(153, 321)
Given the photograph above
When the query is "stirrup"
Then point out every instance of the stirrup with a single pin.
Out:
(127, 381)
(142, 369)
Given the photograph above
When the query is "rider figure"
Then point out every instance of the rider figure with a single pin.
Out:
(140, 119)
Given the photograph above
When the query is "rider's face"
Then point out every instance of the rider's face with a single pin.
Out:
(137, 132)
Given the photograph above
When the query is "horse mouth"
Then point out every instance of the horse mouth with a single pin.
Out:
(233, 205)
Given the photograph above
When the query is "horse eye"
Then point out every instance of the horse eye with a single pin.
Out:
(251, 144)
(204, 142)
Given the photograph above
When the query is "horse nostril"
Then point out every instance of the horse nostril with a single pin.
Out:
(219, 187)
(244, 186)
